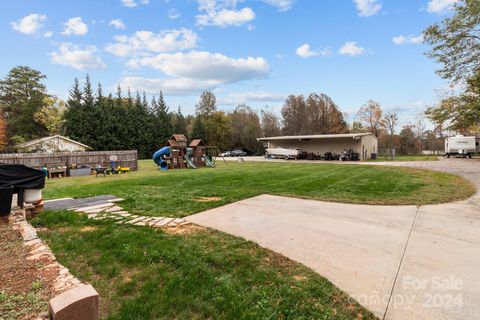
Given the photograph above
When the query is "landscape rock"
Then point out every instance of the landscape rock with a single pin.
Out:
(79, 303)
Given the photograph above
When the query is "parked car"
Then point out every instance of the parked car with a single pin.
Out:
(226, 154)
(238, 153)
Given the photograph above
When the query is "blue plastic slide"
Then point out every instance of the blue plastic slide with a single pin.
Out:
(157, 157)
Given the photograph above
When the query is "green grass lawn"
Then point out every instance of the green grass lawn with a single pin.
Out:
(176, 193)
(145, 273)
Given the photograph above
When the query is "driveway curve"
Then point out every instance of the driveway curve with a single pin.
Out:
(401, 262)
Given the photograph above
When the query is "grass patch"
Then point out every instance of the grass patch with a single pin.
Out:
(145, 273)
(176, 193)
(422, 157)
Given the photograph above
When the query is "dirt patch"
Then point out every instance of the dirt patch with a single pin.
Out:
(88, 229)
(185, 229)
(299, 278)
(208, 199)
(24, 288)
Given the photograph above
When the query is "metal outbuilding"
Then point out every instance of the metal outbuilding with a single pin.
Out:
(363, 143)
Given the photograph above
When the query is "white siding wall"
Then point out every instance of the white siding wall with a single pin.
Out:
(369, 146)
(364, 145)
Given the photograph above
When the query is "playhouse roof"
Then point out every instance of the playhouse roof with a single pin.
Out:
(171, 143)
(179, 137)
(196, 143)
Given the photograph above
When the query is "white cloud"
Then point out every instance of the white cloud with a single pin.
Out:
(144, 42)
(117, 24)
(173, 14)
(205, 66)
(75, 26)
(282, 5)
(367, 8)
(29, 24)
(254, 96)
(351, 48)
(410, 39)
(77, 58)
(305, 51)
(48, 34)
(129, 3)
(176, 87)
(133, 3)
(192, 72)
(223, 13)
(439, 6)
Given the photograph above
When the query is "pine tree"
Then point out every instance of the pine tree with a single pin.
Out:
(22, 94)
(198, 131)
(179, 125)
(91, 126)
(143, 134)
(103, 118)
(3, 131)
(74, 114)
(162, 122)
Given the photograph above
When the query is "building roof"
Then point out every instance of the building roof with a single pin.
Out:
(42, 140)
(179, 137)
(171, 143)
(196, 143)
(317, 136)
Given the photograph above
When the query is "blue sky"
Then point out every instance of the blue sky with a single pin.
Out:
(251, 51)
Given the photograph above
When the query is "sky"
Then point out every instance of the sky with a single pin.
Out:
(252, 51)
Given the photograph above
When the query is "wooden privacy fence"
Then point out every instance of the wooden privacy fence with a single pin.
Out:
(90, 159)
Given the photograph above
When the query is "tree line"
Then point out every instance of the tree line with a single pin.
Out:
(126, 120)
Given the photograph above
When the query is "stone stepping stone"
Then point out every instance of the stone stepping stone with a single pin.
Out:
(178, 220)
(136, 220)
(114, 209)
(93, 211)
(154, 221)
(91, 215)
(95, 207)
(115, 200)
(163, 222)
(124, 214)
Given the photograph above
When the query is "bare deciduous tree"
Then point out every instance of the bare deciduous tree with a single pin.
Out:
(370, 114)
(391, 122)
(270, 124)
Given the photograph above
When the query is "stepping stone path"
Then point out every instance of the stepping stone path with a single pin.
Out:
(108, 209)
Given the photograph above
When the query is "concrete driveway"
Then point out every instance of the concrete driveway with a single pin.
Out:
(401, 262)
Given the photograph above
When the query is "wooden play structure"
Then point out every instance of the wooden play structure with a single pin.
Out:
(178, 154)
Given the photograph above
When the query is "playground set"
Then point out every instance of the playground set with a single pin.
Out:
(177, 154)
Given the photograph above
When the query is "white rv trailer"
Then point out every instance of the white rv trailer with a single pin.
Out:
(462, 146)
